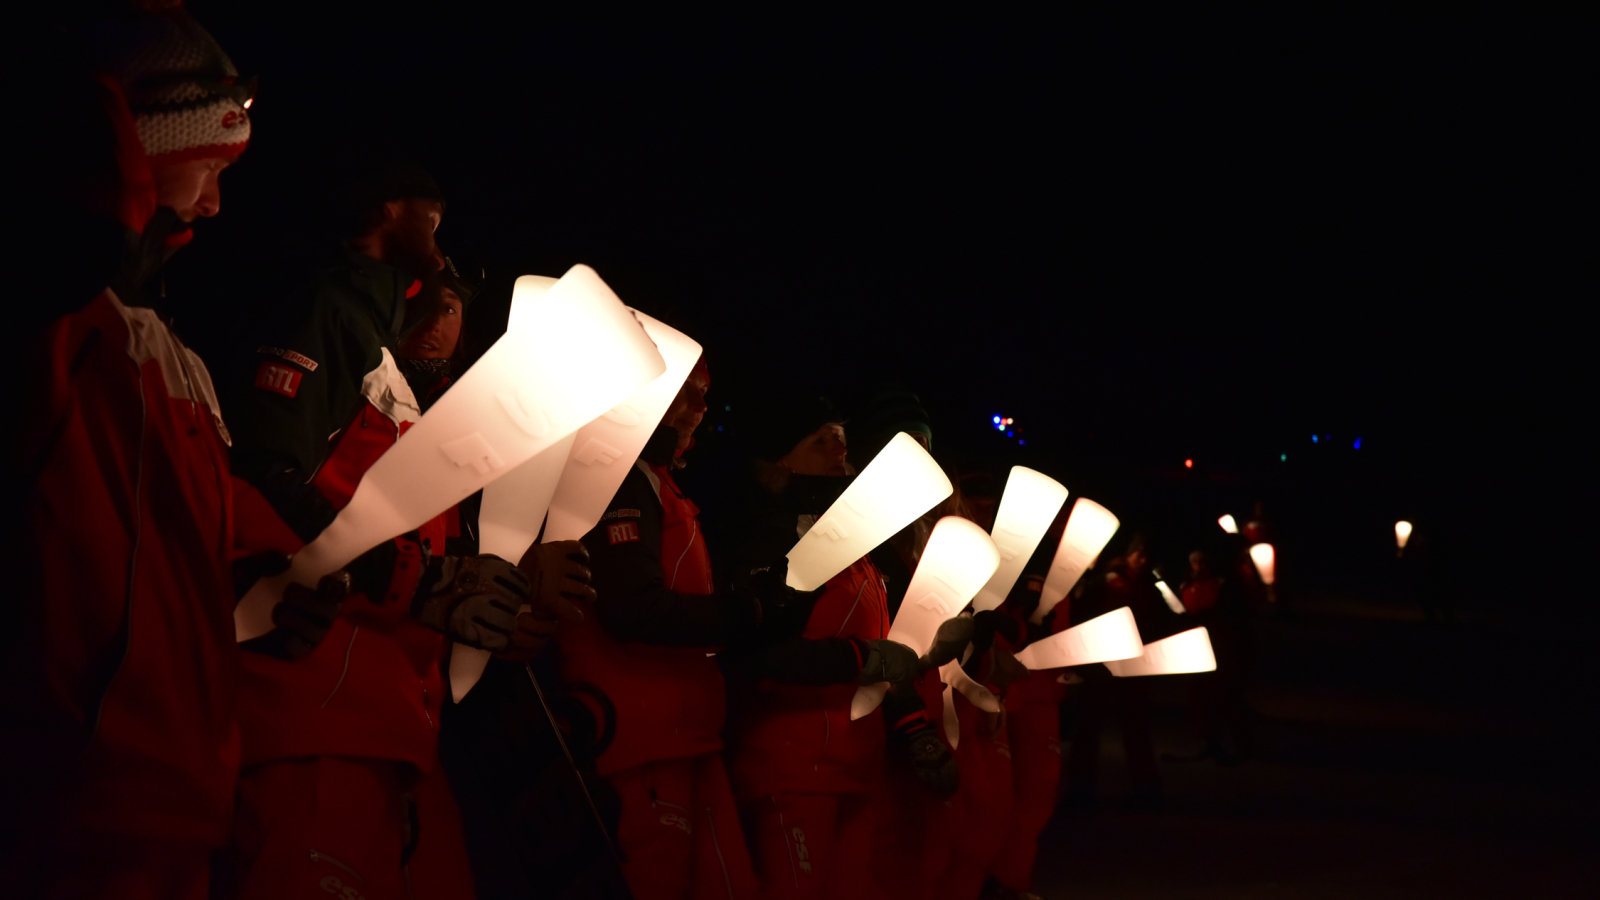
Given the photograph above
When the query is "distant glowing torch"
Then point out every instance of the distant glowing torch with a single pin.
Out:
(1266, 562)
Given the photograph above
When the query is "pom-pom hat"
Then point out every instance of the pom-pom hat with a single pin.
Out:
(185, 95)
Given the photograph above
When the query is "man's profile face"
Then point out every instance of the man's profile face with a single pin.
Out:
(820, 453)
(190, 188)
(411, 223)
(687, 409)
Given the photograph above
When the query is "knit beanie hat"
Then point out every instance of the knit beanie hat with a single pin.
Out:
(366, 181)
(784, 419)
(184, 92)
(882, 415)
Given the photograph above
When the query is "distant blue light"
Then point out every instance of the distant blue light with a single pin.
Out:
(719, 427)
(997, 420)
(1010, 434)
(1358, 443)
(1313, 439)
(1021, 442)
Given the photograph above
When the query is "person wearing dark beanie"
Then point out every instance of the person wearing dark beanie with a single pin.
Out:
(803, 770)
(327, 397)
(883, 414)
(645, 645)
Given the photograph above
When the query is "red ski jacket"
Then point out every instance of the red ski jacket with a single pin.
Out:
(800, 739)
(120, 663)
(650, 566)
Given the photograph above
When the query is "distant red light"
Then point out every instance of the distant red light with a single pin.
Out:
(1188, 464)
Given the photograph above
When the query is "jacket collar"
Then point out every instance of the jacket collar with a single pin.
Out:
(385, 284)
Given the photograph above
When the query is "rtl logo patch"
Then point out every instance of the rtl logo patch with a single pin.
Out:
(622, 532)
(278, 379)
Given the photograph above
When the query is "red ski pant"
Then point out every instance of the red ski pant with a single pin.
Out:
(1036, 771)
(913, 834)
(79, 864)
(813, 845)
(679, 832)
(983, 803)
(310, 828)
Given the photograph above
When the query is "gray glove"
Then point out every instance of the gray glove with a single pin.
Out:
(472, 600)
(889, 661)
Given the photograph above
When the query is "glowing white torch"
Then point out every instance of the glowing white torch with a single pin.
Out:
(1028, 506)
(1184, 652)
(1089, 529)
(901, 483)
(1103, 638)
(957, 561)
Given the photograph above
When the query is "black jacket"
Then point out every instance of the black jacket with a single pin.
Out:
(335, 329)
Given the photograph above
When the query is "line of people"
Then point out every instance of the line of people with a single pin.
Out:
(661, 718)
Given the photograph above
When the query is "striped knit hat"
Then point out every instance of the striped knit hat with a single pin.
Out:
(185, 95)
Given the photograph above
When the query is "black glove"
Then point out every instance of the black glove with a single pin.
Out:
(560, 575)
(781, 611)
(933, 763)
(472, 600)
(889, 661)
(952, 637)
(302, 619)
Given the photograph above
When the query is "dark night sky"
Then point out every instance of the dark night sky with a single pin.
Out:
(1145, 243)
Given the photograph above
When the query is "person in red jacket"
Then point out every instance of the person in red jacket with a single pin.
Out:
(1033, 726)
(646, 648)
(338, 746)
(984, 802)
(803, 771)
(119, 656)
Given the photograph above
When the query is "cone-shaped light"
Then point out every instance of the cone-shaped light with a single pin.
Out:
(1228, 524)
(1402, 533)
(957, 561)
(1186, 651)
(1089, 529)
(1266, 562)
(577, 353)
(1102, 638)
(901, 483)
(1028, 506)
